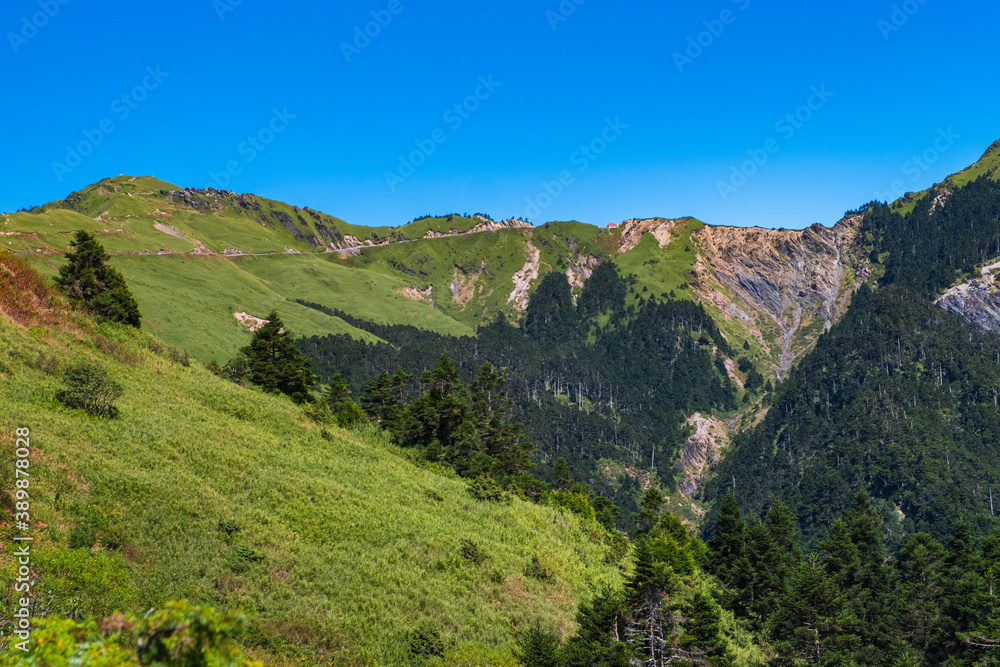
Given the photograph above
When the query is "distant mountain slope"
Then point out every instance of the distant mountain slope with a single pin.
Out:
(900, 397)
(448, 274)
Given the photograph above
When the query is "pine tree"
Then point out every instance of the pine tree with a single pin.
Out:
(702, 634)
(337, 398)
(649, 507)
(563, 477)
(439, 422)
(537, 648)
(856, 559)
(499, 438)
(920, 562)
(91, 284)
(965, 600)
(811, 624)
(384, 397)
(276, 365)
(727, 547)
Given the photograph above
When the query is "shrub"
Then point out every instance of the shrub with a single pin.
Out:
(241, 556)
(487, 488)
(229, 527)
(425, 642)
(536, 570)
(472, 552)
(89, 388)
(577, 503)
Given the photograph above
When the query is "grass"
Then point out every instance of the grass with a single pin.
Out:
(357, 545)
(485, 263)
(366, 294)
(665, 269)
(987, 165)
(189, 302)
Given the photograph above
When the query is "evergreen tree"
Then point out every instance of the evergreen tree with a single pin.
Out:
(601, 632)
(384, 397)
(563, 477)
(439, 421)
(965, 600)
(856, 559)
(702, 634)
(90, 283)
(337, 398)
(649, 507)
(537, 648)
(499, 437)
(811, 625)
(920, 563)
(276, 365)
(727, 547)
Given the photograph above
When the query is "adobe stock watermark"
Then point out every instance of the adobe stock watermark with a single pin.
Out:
(122, 107)
(901, 13)
(562, 12)
(363, 35)
(581, 158)
(223, 7)
(697, 44)
(919, 164)
(31, 25)
(455, 116)
(252, 146)
(787, 126)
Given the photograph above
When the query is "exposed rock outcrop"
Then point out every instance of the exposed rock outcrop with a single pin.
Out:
(632, 231)
(702, 450)
(522, 279)
(787, 279)
(977, 300)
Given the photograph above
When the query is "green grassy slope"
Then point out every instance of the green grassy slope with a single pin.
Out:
(667, 269)
(987, 165)
(358, 544)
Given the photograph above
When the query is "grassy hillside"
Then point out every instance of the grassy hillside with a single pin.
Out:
(343, 544)
(987, 165)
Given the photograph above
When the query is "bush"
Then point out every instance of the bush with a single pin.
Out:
(472, 552)
(241, 556)
(577, 503)
(536, 570)
(425, 642)
(487, 488)
(89, 388)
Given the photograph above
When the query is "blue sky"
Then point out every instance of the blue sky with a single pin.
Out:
(737, 112)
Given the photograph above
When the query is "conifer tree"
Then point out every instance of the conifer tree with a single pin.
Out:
(439, 422)
(90, 283)
(384, 397)
(811, 624)
(728, 545)
(337, 397)
(499, 437)
(537, 648)
(276, 365)
(920, 562)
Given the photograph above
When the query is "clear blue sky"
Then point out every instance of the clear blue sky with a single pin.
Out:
(679, 124)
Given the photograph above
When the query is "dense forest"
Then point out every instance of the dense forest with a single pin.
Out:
(899, 397)
(590, 381)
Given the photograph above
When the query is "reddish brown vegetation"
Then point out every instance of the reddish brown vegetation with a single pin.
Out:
(25, 296)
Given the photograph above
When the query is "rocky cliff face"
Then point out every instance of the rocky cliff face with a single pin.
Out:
(977, 300)
(632, 231)
(786, 287)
